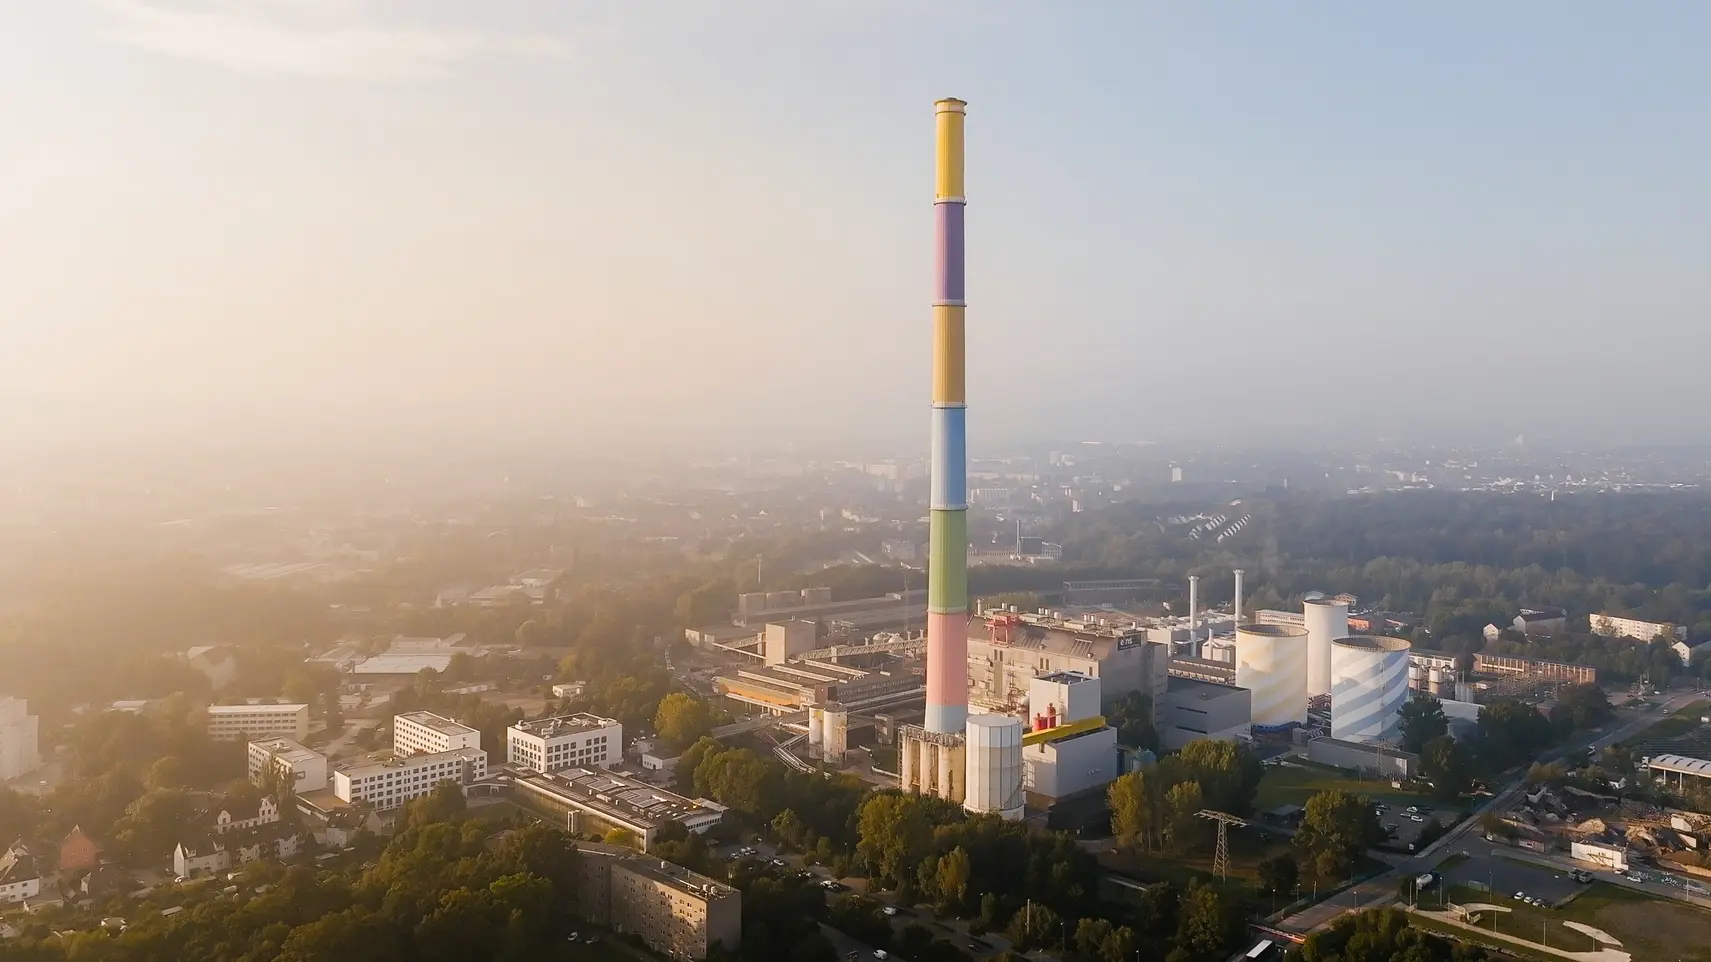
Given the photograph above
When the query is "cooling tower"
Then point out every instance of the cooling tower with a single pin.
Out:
(993, 745)
(1369, 683)
(1271, 662)
(1326, 621)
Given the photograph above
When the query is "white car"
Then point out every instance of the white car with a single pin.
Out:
(890, 910)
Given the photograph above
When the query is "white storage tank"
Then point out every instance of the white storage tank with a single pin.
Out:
(835, 740)
(1326, 621)
(1223, 650)
(993, 756)
(816, 729)
(1369, 687)
(1271, 662)
(1416, 677)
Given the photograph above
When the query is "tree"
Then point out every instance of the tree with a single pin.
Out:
(1446, 764)
(1132, 716)
(620, 836)
(446, 803)
(167, 772)
(789, 828)
(1119, 945)
(1134, 819)
(1090, 935)
(953, 878)
(1035, 926)
(691, 760)
(1229, 773)
(1207, 923)
(682, 719)
(1510, 732)
(1279, 875)
(1335, 829)
(1587, 706)
(1182, 804)
(1422, 719)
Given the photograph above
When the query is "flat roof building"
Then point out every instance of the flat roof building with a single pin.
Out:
(566, 741)
(226, 722)
(595, 800)
(1194, 710)
(1007, 650)
(426, 732)
(301, 768)
(390, 783)
(672, 910)
(19, 749)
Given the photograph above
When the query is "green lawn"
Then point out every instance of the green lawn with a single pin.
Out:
(1462, 935)
(1649, 927)
(1524, 921)
(1294, 783)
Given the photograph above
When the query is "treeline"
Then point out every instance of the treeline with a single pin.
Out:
(1382, 935)
(444, 890)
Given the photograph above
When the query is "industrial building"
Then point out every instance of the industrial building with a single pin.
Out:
(783, 641)
(19, 746)
(1271, 663)
(226, 722)
(300, 767)
(1375, 758)
(1193, 710)
(390, 783)
(593, 800)
(993, 751)
(430, 734)
(1069, 749)
(1326, 620)
(797, 685)
(1616, 626)
(1687, 771)
(1008, 649)
(674, 911)
(1369, 685)
(566, 741)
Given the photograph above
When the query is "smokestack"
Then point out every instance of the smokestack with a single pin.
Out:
(1193, 614)
(947, 579)
(1237, 608)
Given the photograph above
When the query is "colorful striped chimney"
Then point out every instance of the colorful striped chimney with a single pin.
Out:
(947, 578)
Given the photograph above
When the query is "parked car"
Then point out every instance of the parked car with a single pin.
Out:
(890, 911)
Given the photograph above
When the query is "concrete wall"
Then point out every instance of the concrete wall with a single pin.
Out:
(1390, 762)
(1194, 711)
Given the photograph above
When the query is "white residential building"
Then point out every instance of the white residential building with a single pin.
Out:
(1613, 626)
(238, 816)
(390, 784)
(18, 754)
(20, 878)
(217, 854)
(304, 769)
(566, 741)
(226, 722)
(430, 734)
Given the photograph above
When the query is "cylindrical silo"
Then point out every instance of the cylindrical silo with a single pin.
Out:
(1221, 650)
(1326, 621)
(1271, 662)
(1369, 686)
(816, 729)
(993, 753)
(1417, 677)
(835, 741)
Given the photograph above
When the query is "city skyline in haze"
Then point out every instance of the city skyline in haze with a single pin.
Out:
(438, 222)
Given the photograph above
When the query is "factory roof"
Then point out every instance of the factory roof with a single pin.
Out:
(1064, 677)
(439, 723)
(1372, 643)
(401, 664)
(626, 799)
(1682, 764)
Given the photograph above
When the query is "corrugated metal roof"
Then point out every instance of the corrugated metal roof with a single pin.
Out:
(1681, 763)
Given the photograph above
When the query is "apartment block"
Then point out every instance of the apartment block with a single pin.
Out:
(672, 910)
(302, 768)
(1615, 626)
(566, 741)
(226, 722)
(430, 734)
(19, 753)
(389, 784)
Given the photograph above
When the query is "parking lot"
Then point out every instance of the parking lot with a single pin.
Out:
(1405, 827)
(1505, 878)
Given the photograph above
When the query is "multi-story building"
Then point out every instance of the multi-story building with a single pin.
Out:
(1067, 749)
(241, 814)
(566, 741)
(301, 768)
(672, 910)
(430, 734)
(1007, 650)
(595, 800)
(1197, 709)
(18, 730)
(226, 722)
(20, 876)
(1615, 626)
(389, 784)
(218, 853)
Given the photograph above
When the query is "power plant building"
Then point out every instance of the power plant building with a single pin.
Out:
(1271, 663)
(1326, 620)
(1007, 650)
(1194, 710)
(1369, 686)
(1069, 749)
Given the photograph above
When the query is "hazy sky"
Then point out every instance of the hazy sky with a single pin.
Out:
(486, 219)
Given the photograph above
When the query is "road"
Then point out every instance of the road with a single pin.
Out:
(1383, 888)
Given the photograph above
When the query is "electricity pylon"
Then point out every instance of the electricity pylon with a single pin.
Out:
(1221, 858)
